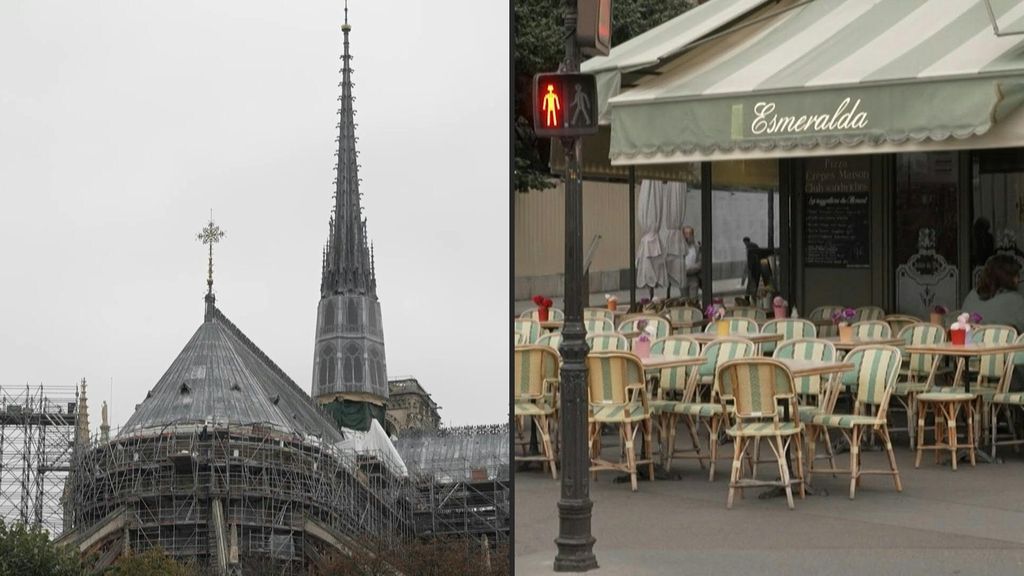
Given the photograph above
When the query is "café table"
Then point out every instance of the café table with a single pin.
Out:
(755, 337)
(962, 352)
(847, 345)
(551, 325)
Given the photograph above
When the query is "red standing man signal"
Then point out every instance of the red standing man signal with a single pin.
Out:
(551, 105)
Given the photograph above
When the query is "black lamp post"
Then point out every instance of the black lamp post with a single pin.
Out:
(575, 542)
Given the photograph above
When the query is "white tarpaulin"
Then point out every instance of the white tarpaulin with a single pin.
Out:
(374, 441)
(673, 210)
(650, 258)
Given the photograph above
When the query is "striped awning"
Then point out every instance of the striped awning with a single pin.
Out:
(829, 76)
(661, 44)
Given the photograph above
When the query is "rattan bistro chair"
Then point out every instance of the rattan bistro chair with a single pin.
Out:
(535, 377)
(867, 313)
(530, 329)
(737, 325)
(617, 396)
(876, 368)
(790, 328)
(916, 376)
(686, 314)
(815, 397)
(598, 325)
(607, 342)
(821, 317)
(553, 314)
(867, 329)
(1008, 403)
(674, 396)
(754, 388)
(751, 312)
(661, 326)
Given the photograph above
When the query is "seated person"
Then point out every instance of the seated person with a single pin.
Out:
(997, 300)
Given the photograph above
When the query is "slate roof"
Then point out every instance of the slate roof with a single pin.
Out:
(221, 375)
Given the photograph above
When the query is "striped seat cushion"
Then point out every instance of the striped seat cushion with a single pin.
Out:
(686, 408)
(765, 429)
(537, 408)
(807, 413)
(945, 396)
(843, 420)
(1009, 398)
(617, 412)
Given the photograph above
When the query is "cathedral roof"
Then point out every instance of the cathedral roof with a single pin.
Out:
(222, 376)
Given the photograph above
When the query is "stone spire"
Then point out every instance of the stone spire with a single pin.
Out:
(82, 431)
(346, 269)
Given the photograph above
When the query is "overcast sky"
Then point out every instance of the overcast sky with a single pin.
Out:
(122, 123)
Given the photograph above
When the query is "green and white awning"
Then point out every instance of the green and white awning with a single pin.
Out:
(829, 77)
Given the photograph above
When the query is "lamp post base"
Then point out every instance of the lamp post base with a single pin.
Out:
(575, 554)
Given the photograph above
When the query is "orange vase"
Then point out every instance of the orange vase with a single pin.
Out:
(846, 333)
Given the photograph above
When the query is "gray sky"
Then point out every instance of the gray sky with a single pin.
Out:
(122, 123)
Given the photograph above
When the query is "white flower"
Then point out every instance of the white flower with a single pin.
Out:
(963, 318)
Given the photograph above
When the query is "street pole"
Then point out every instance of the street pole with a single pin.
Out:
(575, 542)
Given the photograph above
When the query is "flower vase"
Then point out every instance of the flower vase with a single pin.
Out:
(780, 311)
(613, 305)
(542, 314)
(642, 347)
(722, 327)
(938, 319)
(845, 333)
(957, 336)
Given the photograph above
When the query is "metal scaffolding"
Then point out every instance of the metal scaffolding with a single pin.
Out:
(232, 498)
(37, 435)
(459, 481)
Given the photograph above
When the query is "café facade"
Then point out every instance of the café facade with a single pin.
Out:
(893, 132)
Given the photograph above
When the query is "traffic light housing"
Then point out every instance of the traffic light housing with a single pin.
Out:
(564, 105)
(594, 26)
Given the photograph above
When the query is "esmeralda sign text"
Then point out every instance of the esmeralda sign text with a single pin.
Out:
(767, 121)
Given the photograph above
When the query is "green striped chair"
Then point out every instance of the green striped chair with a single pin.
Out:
(813, 400)
(736, 326)
(598, 325)
(553, 314)
(617, 396)
(662, 328)
(1008, 403)
(608, 342)
(790, 328)
(535, 396)
(917, 374)
(867, 313)
(675, 391)
(988, 370)
(876, 369)
(897, 322)
(518, 339)
(683, 314)
(756, 314)
(715, 354)
(867, 329)
(552, 340)
(752, 389)
(822, 319)
(599, 313)
(530, 329)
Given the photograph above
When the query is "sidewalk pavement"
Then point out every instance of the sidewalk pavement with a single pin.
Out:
(968, 522)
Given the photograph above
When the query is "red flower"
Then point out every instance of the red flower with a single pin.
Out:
(538, 300)
(547, 302)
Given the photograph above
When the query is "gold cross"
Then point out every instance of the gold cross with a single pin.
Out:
(210, 235)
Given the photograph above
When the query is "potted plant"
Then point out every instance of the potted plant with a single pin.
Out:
(842, 319)
(543, 304)
(938, 316)
(958, 331)
(715, 312)
(642, 344)
(780, 306)
(612, 302)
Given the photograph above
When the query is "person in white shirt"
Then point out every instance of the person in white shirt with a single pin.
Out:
(691, 263)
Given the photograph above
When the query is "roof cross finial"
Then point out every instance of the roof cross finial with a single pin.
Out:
(210, 235)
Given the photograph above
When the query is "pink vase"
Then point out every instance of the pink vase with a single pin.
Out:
(780, 311)
(642, 347)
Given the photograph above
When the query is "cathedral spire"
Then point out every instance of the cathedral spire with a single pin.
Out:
(347, 270)
(210, 235)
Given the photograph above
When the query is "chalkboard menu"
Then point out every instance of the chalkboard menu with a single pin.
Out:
(837, 212)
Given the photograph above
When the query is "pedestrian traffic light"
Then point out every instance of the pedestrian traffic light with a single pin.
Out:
(564, 105)
(594, 26)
